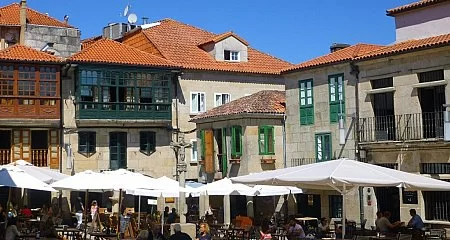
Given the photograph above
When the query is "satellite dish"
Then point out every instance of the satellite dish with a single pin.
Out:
(132, 18)
(125, 11)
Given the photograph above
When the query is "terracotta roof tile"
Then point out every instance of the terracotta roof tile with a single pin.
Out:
(108, 51)
(23, 53)
(85, 43)
(223, 36)
(345, 54)
(179, 42)
(410, 45)
(265, 102)
(10, 15)
(411, 6)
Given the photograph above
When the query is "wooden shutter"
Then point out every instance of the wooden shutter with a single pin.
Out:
(21, 145)
(209, 151)
(53, 148)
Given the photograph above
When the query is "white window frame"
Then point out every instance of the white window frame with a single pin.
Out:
(194, 154)
(221, 97)
(235, 56)
(198, 109)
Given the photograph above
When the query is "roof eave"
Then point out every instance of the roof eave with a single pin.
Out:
(235, 116)
(292, 70)
(123, 64)
(33, 61)
(361, 59)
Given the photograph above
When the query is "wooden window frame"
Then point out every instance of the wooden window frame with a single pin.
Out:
(236, 135)
(198, 109)
(90, 136)
(329, 152)
(334, 117)
(306, 110)
(147, 142)
(264, 130)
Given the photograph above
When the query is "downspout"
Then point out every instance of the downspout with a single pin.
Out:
(23, 21)
(284, 141)
(355, 71)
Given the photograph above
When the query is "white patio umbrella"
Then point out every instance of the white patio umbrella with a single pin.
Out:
(224, 187)
(271, 190)
(343, 175)
(44, 174)
(11, 176)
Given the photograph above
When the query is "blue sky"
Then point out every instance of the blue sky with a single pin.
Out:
(293, 30)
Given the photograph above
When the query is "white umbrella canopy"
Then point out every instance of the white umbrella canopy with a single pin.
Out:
(271, 190)
(336, 174)
(87, 180)
(163, 187)
(127, 180)
(11, 176)
(44, 174)
(225, 187)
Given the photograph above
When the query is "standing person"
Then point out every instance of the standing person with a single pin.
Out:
(204, 232)
(94, 214)
(179, 235)
(166, 214)
(79, 209)
(172, 216)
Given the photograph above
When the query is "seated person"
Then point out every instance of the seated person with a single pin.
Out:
(416, 221)
(26, 211)
(384, 225)
(48, 230)
(295, 230)
(348, 230)
(323, 226)
(179, 235)
(11, 231)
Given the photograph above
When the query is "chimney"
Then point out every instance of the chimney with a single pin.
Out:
(144, 20)
(338, 46)
(23, 20)
(66, 19)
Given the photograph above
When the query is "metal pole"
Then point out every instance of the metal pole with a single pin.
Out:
(139, 216)
(85, 212)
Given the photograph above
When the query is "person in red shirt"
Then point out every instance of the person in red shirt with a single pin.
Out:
(26, 211)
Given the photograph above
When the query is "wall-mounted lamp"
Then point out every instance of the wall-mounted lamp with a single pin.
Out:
(341, 130)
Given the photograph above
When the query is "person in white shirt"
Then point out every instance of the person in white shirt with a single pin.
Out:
(11, 232)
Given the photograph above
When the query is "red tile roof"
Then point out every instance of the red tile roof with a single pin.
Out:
(262, 102)
(23, 53)
(107, 51)
(223, 36)
(10, 15)
(411, 6)
(407, 46)
(89, 41)
(341, 55)
(179, 42)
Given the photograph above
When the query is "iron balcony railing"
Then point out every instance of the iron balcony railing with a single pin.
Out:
(414, 126)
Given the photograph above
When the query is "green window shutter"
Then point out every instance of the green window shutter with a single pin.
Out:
(270, 140)
(203, 146)
(306, 102)
(336, 96)
(236, 141)
(323, 147)
(261, 140)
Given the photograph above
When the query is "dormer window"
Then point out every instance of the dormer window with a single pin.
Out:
(231, 55)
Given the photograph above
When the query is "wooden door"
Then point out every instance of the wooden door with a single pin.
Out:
(21, 146)
(53, 148)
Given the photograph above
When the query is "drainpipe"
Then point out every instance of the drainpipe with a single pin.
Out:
(23, 20)
(355, 71)
(284, 141)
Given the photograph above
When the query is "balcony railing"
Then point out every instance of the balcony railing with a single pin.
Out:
(123, 110)
(5, 156)
(39, 157)
(404, 127)
(302, 161)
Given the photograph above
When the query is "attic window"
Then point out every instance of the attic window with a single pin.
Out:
(230, 55)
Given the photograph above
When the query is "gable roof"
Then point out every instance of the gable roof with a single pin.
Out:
(10, 15)
(407, 46)
(262, 102)
(107, 51)
(89, 41)
(23, 53)
(179, 43)
(341, 55)
(223, 36)
(412, 6)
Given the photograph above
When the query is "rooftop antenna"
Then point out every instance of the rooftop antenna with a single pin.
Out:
(127, 8)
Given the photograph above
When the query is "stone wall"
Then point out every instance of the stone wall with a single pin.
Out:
(66, 40)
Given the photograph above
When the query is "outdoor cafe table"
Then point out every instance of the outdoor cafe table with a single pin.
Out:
(69, 233)
(103, 236)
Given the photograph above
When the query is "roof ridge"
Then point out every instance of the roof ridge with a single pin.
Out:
(48, 16)
(189, 25)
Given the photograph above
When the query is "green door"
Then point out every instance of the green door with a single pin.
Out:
(117, 150)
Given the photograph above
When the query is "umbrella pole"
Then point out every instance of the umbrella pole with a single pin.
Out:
(343, 212)
(139, 215)
(85, 213)
(119, 214)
